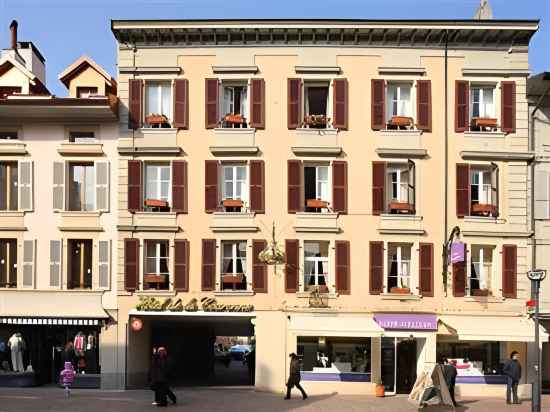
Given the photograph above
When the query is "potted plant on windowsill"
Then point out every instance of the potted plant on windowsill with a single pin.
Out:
(403, 290)
(155, 119)
(234, 119)
(401, 121)
(318, 289)
(481, 209)
(316, 120)
(481, 292)
(153, 279)
(155, 203)
(401, 207)
(231, 278)
(484, 123)
(232, 203)
(316, 203)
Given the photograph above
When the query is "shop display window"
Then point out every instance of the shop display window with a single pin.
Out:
(473, 358)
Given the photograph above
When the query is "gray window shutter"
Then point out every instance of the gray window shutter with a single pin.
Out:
(542, 195)
(29, 253)
(25, 185)
(55, 263)
(59, 186)
(102, 186)
(104, 266)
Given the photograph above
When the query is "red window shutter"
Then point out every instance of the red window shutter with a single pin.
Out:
(257, 185)
(378, 187)
(342, 266)
(462, 105)
(340, 186)
(181, 103)
(212, 103)
(376, 270)
(295, 203)
(426, 258)
(294, 97)
(378, 104)
(291, 265)
(459, 276)
(259, 269)
(508, 107)
(179, 186)
(208, 264)
(181, 265)
(462, 189)
(135, 102)
(257, 104)
(509, 271)
(211, 202)
(340, 104)
(135, 179)
(131, 264)
(424, 105)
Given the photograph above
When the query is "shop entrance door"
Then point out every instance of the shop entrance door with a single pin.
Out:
(398, 364)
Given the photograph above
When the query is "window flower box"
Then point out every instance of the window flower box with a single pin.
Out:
(401, 207)
(157, 120)
(316, 120)
(317, 203)
(400, 291)
(232, 203)
(155, 203)
(153, 280)
(317, 289)
(484, 123)
(233, 279)
(234, 118)
(401, 121)
(480, 292)
(480, 209)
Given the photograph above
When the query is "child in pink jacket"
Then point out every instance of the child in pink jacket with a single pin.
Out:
(67, 377)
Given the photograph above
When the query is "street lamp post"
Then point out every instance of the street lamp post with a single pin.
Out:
(536, 276)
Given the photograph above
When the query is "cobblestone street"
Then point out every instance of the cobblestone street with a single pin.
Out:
(222, 399)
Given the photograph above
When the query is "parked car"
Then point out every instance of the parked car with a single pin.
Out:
(239, 352)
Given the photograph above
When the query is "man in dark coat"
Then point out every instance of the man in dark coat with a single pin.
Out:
(449, 373)
(294, 377)
(512, 370)
(159, 378)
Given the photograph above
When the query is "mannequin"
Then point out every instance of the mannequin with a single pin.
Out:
(79, 343)
(17, 346)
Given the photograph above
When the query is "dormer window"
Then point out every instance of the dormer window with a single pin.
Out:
(86, 92)
(6, 91)
(234, 104)
(158, 104)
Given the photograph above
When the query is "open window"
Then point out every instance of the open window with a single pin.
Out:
(157, 187)
(482, 107)
(233, 273)
(399, 105)
(316, 265)
(8, 263)
(81, 187)
(481, 270)
(9, 186)
(80, 260)
(399, 268)
(317, 187)
(86, 92)
(484, 190)
(316, 104)
(234, 104)
(235, 187)
(80, 136)
(158, 104)
(400, 181)
(156, 274)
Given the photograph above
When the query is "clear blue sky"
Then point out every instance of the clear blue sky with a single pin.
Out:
(63, 30)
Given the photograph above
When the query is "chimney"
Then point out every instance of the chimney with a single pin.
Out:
(13, 29)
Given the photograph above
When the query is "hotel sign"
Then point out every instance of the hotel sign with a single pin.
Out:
(152, 304)
(406, 321)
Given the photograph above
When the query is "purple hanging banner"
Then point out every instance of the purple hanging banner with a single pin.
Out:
(457, 252)
(406, 321)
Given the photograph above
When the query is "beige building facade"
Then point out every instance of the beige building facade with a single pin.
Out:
(364, 143)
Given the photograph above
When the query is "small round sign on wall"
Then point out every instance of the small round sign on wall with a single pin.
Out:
(137, 324)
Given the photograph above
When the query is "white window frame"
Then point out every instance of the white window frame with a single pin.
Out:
(401, 185)
(486, 277)
(399, 85)
(400, 262)
(483, 112)
(316, 260)
(158, 181)
(234, 248)
(234, 182)
(483, 193)
(151, 84)
(70, 166)
(328, 181)
(157, 257)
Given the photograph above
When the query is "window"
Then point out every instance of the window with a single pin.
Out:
(482, 101)
(483, 190)
(85, 92)
(80, 264)
(8, 135)
(316, 96)
(158, 104)
(234, 104)
(316, 266)
(235, 187)
(233, 265)
(481, 270)
(316, 188)
(399, 104)
(81, 137)
(399, 265)
(157, 187)
(156, 274)
(6, 91)
(8, 263)
(400, 183)
(8, 186)
(81, 187)
(478, 358)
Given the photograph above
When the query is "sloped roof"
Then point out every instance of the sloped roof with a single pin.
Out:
(8, 60)
(78, 66)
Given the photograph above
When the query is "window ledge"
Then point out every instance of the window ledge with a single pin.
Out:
(75, 213)
(484, 299)
(91, 148)
(483, 135)
(12, 147)
(235, 130)
(403, 217)
(484, 219)
(397, 296)
(11, 213)
(149, 214)
(307, 222)
(407, 132)
(314, 131)
(305, 295)
(235, 293)
(154, 130)
(155, 293)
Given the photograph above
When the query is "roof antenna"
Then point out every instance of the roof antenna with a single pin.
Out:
(484, 11)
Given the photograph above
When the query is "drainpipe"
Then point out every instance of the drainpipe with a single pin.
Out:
(446, 169)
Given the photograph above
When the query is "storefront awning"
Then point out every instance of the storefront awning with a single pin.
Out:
(51, 304)
(334, 325)
(490, 328)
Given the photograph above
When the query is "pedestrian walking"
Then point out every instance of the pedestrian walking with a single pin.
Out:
(512, 370)
(159, 378)
(294, 377)
(66, 377)
(449, 374)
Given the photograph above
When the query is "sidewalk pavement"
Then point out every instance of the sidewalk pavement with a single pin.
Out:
(226, 400)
